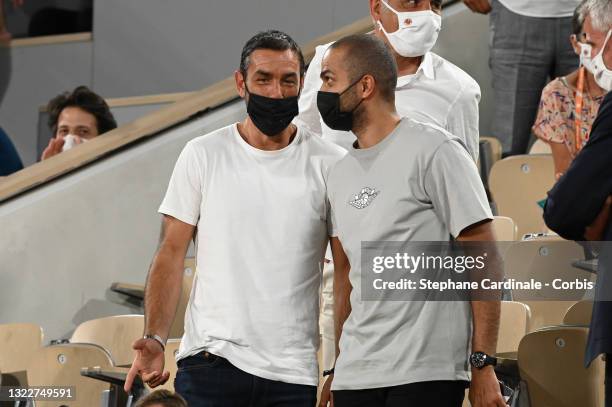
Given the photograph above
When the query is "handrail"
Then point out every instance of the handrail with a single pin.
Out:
(161, 98)
(50, 40)
(146, 126)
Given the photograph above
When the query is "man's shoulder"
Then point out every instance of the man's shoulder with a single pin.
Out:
(448, 70)
(215, 139)
(425, 135)
(319, 145)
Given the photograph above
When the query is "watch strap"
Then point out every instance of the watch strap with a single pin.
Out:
(156, 338)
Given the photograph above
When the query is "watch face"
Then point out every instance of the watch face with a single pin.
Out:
(478, 360)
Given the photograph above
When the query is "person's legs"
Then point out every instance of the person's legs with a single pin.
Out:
(271, 393)
(566, 60)
(521, 58)
(360, 398)
(206, 380)
(431, 394)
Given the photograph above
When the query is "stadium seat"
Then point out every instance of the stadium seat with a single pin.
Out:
(544, 260)
(505, 228)
(114, 334)
(540, 147)
(178, 325)
(551, 363)
(514, 323)
(18, 342)
(60, 366)
(579, 313)
(496, 147)
(136, 292)
(518, 185)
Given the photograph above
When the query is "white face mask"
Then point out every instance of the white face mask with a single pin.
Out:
(70, 141)
(417, 38)
(602, 74)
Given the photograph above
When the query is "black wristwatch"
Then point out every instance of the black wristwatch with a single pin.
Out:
(328, 372)
(479, 360)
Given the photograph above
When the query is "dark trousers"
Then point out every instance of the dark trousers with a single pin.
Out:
(525, 52)
(207, 380)
(430, 394)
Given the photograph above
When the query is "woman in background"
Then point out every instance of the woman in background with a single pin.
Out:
(570, 104)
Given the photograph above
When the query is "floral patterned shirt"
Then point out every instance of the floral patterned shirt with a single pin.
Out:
(555, 122)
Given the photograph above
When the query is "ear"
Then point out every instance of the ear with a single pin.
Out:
(367, 86)
(575, 44)
(239, 78)
(375, 12)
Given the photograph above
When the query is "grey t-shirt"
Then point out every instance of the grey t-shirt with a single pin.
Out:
(420, 184)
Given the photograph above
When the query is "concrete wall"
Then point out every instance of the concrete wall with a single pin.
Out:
(62, 245)
(37, 74)
(159, 46)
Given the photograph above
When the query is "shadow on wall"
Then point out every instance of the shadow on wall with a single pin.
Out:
(113, 304)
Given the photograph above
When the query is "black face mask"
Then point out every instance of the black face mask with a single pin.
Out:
(329, 107)
(271, 116)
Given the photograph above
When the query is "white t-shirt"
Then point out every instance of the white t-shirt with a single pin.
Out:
(439, 93)
(427, 189)
(262, 219)
(542, 8)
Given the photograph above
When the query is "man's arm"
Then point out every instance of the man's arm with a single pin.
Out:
(478, 6)
(579, 196)
(309, 113)
(162, 293)
(342, 289)
(342, 308)
(163, 287)
(485, 313)
(484, 388)
(463, 117)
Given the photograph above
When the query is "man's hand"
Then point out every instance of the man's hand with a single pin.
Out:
(478, 6)
(595, 231)
(484, 389)
(327, 398)
(53, 148)
(148, 364)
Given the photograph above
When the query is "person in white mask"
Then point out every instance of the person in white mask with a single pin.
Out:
(76, 117)
(569, 104)
(429, 89)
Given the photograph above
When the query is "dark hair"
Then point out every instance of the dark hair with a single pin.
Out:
(437, 3)
(274, 40)
(578, 18)
(85, 99)
(164, 397)
(366, 54)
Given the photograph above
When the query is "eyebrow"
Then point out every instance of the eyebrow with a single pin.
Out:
(262, 73)
(326, 72)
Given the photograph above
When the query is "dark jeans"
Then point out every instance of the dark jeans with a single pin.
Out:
(430, 394)
(207, 380)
